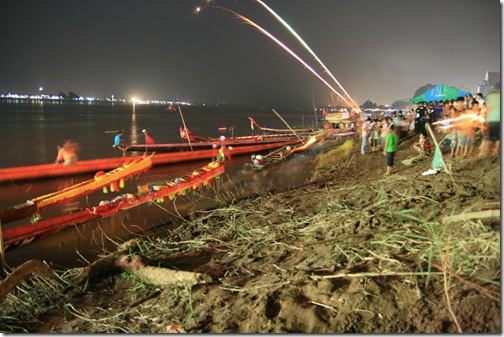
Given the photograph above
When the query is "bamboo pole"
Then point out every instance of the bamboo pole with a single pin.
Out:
(185, 128)
(295, 134)
(437, 147)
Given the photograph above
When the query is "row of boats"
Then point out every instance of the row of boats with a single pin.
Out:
(280, 145)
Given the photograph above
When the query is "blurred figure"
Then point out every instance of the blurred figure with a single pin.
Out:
(374, 135)
(479, 98)
(491, 130)
(457, 133)
(68, 153)
(469, 130)
(365, 131)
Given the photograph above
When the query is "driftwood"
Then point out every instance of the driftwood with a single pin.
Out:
(119, 261)
(22, 272)
(473, 215)
(160, 276)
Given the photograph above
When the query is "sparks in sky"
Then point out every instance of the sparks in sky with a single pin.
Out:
(265, 32)
(286, 25)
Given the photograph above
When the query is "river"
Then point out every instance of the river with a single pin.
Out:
(31, 131)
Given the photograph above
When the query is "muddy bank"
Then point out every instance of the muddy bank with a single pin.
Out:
(348, 251)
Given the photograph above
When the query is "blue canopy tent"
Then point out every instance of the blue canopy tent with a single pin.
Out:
(440, 92)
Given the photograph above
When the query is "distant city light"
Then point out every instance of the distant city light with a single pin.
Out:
(134, 100)
(40, 89)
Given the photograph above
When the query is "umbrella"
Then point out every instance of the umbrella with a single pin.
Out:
(440, 93)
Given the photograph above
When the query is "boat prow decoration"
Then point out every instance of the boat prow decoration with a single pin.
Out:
(197, 179)
(113, 179)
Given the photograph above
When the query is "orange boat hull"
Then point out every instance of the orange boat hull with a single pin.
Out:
(87, 166)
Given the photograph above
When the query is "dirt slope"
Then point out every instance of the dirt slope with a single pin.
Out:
(349, 251)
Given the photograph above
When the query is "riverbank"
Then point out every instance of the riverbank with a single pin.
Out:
(348, 251)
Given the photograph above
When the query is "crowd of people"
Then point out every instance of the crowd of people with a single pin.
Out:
(471, 125)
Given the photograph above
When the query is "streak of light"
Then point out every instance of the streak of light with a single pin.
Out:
(265, 32)
(462, 121)
(286, 25)
(472, 117)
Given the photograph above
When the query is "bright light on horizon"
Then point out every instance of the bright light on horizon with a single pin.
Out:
(40, 89)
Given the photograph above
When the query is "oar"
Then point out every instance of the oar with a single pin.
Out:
(295, 134)
(185, 128)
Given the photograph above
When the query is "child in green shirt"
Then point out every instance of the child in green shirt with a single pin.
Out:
(390, 148)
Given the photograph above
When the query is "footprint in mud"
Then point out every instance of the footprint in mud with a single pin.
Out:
(272, 306)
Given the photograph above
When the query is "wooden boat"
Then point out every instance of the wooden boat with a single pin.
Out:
(114, 179)
(254, 124)
(211, 143)
(23, 235)
(87, 166)
(259, 162)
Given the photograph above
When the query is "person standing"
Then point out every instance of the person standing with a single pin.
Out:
(390, 148)
(419, 117)
(491, 133)
(365, 133)
(479, 98)
(374, 135)
(384, 131)
(460, 135)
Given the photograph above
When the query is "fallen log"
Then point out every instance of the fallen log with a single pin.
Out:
(119, 261)
(23, 271)
(160, 276)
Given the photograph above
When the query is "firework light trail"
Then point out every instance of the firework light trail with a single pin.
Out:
(286, 25)
(265, 32)
(461, 121)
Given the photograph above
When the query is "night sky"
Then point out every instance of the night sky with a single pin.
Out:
(379, 50)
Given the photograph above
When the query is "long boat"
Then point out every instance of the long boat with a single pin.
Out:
(26, 234)
(102, 180)
(87, 166)
(259, 162)
(279, 131)
(211, 143)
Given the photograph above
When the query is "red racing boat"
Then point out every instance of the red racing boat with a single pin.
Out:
(23, 235)
(87, 166)
(114, 179)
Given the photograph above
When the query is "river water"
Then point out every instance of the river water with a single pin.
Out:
(31, 131)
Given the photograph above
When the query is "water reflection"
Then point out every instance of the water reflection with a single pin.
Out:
(134, 130)
(68, 247)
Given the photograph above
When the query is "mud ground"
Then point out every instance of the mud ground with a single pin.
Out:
(351, 250)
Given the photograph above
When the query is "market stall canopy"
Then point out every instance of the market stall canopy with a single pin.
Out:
(440, 92)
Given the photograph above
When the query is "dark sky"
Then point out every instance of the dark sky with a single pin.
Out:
(381, 50)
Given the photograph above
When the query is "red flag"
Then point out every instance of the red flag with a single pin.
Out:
(324, 112)
(149, 140)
